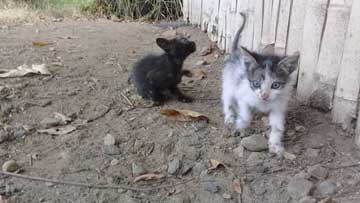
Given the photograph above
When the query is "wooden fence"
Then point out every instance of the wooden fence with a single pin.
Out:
(325, 32)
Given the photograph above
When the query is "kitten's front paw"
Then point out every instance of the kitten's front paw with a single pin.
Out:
(185, 99)
(229, 120)
(277, 149)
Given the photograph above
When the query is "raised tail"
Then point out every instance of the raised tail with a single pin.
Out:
(237, 35)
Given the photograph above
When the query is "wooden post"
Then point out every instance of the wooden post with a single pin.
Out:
(213, 25)
(313, 28)
(207, 10)
(258, 21)
(266, 30)
(332, 48)
(357, 131)
(224, 4)
(283, 27)
(348, 83)
(274, 20)
(185, 10)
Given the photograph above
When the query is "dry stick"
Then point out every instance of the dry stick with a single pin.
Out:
(344, 166)
(93, 185)
(127, 99)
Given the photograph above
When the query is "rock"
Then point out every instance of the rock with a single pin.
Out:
(174, 166)
(186, 169)
(318, 172)
(239, 151)
(169, 34)
(307, 199)
(41, 199)
(256, 158)
(200, 63)
(312, 153)
(211, 187)
(226, 196)
(19, 132)
(114, 162)
(254, 143)
(4, 136)
(321, 100)
(111, 150)
(109, 140)
(10, 166)
(49, 184)
(50, 122)
(198, 168)
(327, 188)
(206, 50)
(299, 187)
(137, 169)
(302, 174)
(300, 128)
(52, 49)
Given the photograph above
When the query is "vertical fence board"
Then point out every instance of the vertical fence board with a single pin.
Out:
(223, 8)
(274, 20)
(214, 21)
(258, 21)
(313, 28)
(207, 10)
(283, 25)
(185, 9)
(332, 47)
(265, 39)
(348, 83)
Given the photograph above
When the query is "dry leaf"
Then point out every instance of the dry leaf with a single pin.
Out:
(149, 177)
(199, 74)
(215, 164)
(237, 186)
(58, 131)
(25, 70)
(40, 44)
(184, 115)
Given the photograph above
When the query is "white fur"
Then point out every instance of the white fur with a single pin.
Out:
(239, 99)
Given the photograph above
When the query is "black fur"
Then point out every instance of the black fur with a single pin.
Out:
(153, 75)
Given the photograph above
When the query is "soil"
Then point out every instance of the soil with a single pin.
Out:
(90, 63)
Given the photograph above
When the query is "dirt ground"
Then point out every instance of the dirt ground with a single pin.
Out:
(90, 62)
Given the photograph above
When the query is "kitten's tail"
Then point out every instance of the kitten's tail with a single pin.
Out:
(237, 35)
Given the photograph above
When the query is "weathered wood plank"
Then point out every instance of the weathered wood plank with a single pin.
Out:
(274, 20)
(266, 31)
(283, 26)
(258, 21)
(348, 83)
(185, 10)
(224, 5)
(213, 25)
(332, 47)
(313, 28)
(207, 10)
(297, 17)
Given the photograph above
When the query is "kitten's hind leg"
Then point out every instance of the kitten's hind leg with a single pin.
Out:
(276, 121)
(180, 96)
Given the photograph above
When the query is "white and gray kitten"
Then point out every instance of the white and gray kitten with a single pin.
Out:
(257, 82)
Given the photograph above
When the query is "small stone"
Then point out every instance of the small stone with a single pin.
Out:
(19, 132)
(50, 122)
(303, 175)
(4, 136)
(114, 162)
(52, 49)
(239, 151)
(226, 196)
(327, 188)
(300, 128)
(49, 184)
(312, 153)
(200, 63)
(111, 150)
(205, 50)
(109, 140)
(318, 172)
(137, 169)
(198, 168)
(307, 199)
(41, 199)
(186, 169)
(299, 187)
(174, 166)
(254, 143)
(256, 158)
(45, 103)
(10, 166)
(211, 187)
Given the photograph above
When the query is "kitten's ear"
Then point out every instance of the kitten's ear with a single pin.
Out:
(247, 55)
(163, 43)
(289, 63)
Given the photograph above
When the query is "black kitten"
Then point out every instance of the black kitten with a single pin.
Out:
(153, 75)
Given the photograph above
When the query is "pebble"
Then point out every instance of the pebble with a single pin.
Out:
(49, 184)
(211, 187)
(254, 143)
(307, 199)
(256, 158)
(198, 168)
(137, 169)
(19, 132)
(300, 128)
(239, 151)
(114, 162)
(313, 153)
(50, 122)
(111, 150)
(327, 188)
(200, 63)
(174, 166)
(10, 166)
(299, 187)
(186, 169)
(109, 140)
(4, 136)
(318, 172)
(226, 196)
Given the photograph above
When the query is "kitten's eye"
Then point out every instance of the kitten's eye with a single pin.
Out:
(276, 85)
(255, 84)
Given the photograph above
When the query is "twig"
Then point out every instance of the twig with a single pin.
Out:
(100, 115)
(344, 166)
(97, 186)
(127, 99)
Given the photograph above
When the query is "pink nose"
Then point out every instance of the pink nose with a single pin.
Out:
(264, 96)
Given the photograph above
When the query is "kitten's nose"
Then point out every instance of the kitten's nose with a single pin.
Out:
(264, 96)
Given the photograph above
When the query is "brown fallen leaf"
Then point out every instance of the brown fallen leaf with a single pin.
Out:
(184, 115)
(3, 199)
(237, 186)
(149, 177)
(199, 74)
(215, 164)
(40, 44)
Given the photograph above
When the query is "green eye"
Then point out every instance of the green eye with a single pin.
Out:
(276, 85)
(255, 84)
